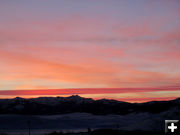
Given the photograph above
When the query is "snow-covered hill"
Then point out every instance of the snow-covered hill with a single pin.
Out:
(81, 121)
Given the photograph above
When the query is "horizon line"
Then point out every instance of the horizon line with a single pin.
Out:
(122, 94)
(95, 99)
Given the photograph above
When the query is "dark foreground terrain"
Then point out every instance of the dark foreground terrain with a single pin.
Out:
(109, 132)
(74, 114)
(103, 132)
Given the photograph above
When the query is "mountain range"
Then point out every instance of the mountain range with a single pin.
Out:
(77, 104)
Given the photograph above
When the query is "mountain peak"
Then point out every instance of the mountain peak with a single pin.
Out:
(18, 98)
(75, 97)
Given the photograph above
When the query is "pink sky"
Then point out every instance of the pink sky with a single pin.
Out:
(111, 44)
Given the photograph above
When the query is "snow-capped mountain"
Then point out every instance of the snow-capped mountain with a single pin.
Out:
(75, 103)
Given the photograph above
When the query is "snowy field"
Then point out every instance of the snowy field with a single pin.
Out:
(17, 124)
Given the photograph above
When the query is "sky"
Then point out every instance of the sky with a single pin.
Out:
(125, 50)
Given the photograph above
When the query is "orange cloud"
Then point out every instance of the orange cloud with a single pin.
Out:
(90, 51)
(86, 91)
(87, 70)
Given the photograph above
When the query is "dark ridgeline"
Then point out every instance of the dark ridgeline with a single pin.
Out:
(63, 105)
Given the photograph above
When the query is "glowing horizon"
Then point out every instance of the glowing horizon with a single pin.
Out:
(122, 94)
(130, 45)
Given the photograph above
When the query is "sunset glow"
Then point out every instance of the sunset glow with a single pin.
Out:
(124, 50)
